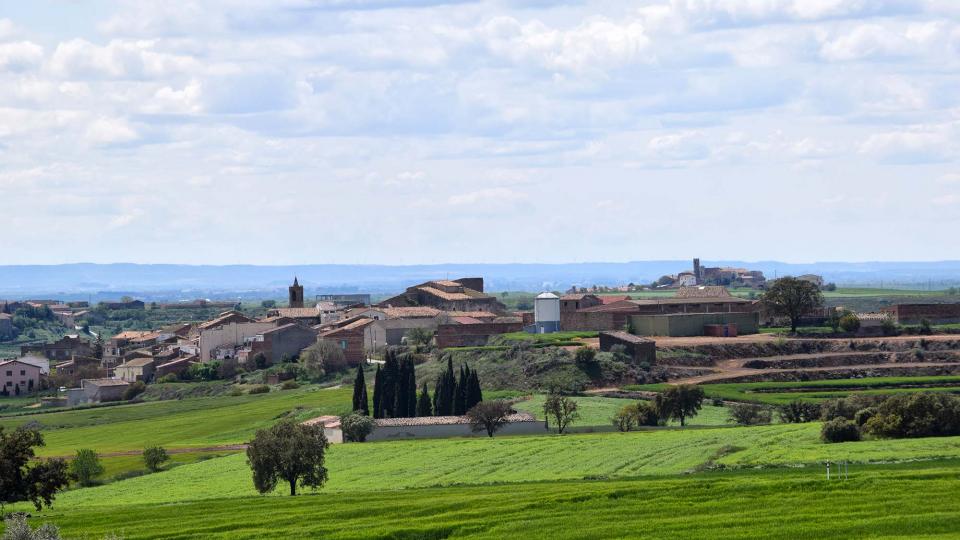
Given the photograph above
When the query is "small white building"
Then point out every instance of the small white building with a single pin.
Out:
(546, 313)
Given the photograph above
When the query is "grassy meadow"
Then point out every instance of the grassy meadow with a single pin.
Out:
(780, 393)
(598, 412)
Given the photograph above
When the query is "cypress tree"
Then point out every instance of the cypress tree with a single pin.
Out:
(474, 394)
(423, 403)
(411, 390)
(400, 385)
(377, 393)
(445, 392)
(460, 394)
(360, 402)
(437, 390)
(388, 387)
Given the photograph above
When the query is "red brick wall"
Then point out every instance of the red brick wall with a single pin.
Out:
(471, 335)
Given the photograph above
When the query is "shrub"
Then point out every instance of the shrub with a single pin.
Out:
(797, 412)
(236, 391)
(863, 415)
(585, 356)
(625, 418)
(889, 327)
(86, 466)
(154, 457)
(916, 415)
(647, 414)
(925, 328)
(16, 528)
(289, 384)
(356, 426)
(168, 378)
(839, 430)
(260, 361)
(134, 390)
(717, 402)
(749, 414)
(836, 408)
(849, 323)
(259, 389)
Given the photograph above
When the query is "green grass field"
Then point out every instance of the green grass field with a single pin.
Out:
(197, 422)
(396, 465)
(905, 501)
(779, 393)
(598, 412)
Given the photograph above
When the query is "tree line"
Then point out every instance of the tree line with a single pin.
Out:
(395, 390)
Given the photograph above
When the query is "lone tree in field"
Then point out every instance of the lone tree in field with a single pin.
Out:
(290, 452)
(793, 298)
(23, 477)
(562, 409)
(360, 401)
(679, 402)
(86, 467)
(154, 457)
(489, 416)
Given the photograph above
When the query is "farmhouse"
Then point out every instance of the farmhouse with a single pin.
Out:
(18, 377)
(61, 350)
(464, 331)
(138, 369)
(283, 341)
(350, 339)
(465, 294)
(96, 391)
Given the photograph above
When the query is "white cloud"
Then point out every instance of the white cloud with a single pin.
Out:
(919, 144)
(20, 55)
(119, 59)
(105, 131)
(492, 195)
(689, 145)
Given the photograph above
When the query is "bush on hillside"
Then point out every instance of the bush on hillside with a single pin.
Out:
(356, 426)
(259, 389)
(839, 430)
(850, 323)
(864, 415)
(134, 390)
(289, 384)
(168, 378)
(625, 418)
(749, 414)
(924, 414)
(647, 414)
(798, 412)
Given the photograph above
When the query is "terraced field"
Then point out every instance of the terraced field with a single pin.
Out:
(597, 412)
(778, 393)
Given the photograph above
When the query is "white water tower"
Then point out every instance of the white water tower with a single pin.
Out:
(546, 313)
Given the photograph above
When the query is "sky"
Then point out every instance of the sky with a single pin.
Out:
(430, 131)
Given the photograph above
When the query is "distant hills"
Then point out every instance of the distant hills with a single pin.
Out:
(177, 281)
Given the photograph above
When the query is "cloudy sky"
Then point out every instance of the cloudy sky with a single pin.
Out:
(418, 131)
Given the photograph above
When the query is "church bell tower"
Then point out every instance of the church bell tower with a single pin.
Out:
(296, 294)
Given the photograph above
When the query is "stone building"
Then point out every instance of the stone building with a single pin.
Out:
(295, 294)
(465, 294)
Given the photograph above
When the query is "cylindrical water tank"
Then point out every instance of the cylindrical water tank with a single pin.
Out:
(546, 308)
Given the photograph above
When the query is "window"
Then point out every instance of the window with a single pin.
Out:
(9, 373)
(23, 372)
(9, 383)
(343, 344)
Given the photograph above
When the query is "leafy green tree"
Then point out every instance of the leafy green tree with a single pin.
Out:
(749, 414)
(797, 412)
(839, 430)
(424, 406)
(154, 457)
(98, 347)
(418, 338)
(489, 416)
(562, 409)
(360, 402)
(134, 390)
(625, 418)
(793, 298)
(356, 426)
(679, 402)
(260, 361)
(288, 451)
(86, 467)
(23, 477)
